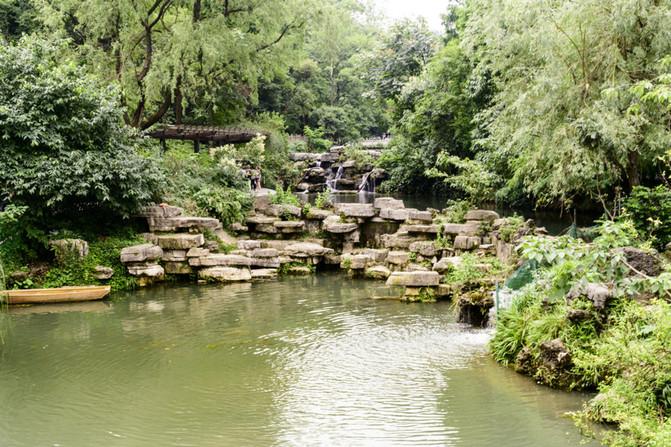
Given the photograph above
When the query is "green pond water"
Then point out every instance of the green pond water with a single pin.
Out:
(299, 362)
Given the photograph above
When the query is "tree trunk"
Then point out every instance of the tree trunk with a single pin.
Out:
(633, 170)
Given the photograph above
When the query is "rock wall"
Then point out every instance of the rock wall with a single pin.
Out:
(409, 249)
(328, 171)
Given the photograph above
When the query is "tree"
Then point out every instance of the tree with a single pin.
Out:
(561, 126)
(329, 86)
(181, 56)
(65, 150)
(406, 49)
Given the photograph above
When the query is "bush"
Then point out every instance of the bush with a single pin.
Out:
(66, 153)
(210, 183)
(620, 348)
(315, 139)
(285, 197)
(650, 210)
(104, 251)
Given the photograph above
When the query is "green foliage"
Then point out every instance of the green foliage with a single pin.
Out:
(226, 204)
(316, 140)
(80, 272)
(17, 17)
(510, 228)
(561, 126)
(469, 177)
(202, 59)
(285, 197)
(472, 271)
(456, 210)
(405, 50)
(434, 117)
(620, 349)
(328, 87)
(65, 151)
(210, 184)
(323, 200)
(358, 154)
(650, 210)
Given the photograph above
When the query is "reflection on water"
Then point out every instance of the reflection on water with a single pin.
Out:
(306, 361)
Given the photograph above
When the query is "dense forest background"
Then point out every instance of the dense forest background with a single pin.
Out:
(554, 104)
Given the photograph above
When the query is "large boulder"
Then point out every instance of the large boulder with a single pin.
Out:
(264, 253)
(318, 214)
(261, 220)
(183, 223)
(377, 272)
(424, 248)
(248, 245)
(160, 211)
(177, 268)
(225, 274)
(290, 226)
(420, 216)
(180, 241)
(66, 249)
(283, 211)
(642, 261)
(174, 255)
(355, 262)
(306, 250)
(482, 215)
(447, 263)
(414, 279)
(467, 229)
(467, 242)
(399, 240)
(388, 203)
(431, 229)
(334, 225)
(398, 214)
(263, 274)
(598, 294)
(363, 210)
(398, 257)
(221, 260)
(555, 356)
(141, 253)
(146, 270)
(103, 273)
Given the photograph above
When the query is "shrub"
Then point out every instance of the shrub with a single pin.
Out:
(209, 183)
(66, 152)
(285, 197)
(650, 210)
(315, 139)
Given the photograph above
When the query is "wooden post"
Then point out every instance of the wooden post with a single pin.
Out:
(164, 147)
(196, 146)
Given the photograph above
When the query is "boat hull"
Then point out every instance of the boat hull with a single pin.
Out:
(60, 295)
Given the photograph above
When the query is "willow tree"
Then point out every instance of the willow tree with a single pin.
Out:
(178, 56)
(564, 124)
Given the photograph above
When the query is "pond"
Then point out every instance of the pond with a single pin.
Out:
(302, 361)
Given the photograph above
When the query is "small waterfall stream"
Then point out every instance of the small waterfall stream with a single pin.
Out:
(333, 183)
(367, 184)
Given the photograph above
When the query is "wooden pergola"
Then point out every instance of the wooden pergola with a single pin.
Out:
(204, 134)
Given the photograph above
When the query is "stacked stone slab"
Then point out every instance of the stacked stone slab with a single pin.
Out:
(414, 254)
